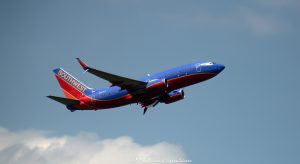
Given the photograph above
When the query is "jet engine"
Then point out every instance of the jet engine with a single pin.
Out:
(174, 96)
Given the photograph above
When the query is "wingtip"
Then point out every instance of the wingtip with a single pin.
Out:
(82, 64)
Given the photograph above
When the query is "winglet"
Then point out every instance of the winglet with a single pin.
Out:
(82, 64)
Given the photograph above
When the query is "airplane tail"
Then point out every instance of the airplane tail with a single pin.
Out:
(71, 87)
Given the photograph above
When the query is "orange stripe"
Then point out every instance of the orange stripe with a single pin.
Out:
(89, 96)
(68, 83)
(77, 99)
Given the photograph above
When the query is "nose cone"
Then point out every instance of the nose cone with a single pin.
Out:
(220, 67)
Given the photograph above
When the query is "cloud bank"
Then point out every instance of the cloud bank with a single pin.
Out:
(262, 18)
(260, 24)
(279, 3)
(38, 147)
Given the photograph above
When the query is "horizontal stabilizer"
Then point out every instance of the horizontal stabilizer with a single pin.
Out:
(65, 101)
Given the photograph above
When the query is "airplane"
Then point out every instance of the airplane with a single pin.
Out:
(164, 87)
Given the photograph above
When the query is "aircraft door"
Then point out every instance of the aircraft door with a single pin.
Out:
(198, 67)
(93, 96)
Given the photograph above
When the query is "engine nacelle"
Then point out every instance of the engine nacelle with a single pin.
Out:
(174, 96)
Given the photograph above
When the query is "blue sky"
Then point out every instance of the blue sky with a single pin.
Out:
(247, 114)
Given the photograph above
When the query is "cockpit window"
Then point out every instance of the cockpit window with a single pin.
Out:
(207, 63)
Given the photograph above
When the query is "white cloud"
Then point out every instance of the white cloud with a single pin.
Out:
(34, 147)
(279, 3)
(199, 18)
(262, 18)
(260, 24)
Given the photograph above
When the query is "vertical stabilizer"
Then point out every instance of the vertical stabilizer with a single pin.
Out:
(71, 87)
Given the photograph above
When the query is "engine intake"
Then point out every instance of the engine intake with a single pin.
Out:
(174, 96)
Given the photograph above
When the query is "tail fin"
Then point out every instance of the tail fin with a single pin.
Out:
(71, 87)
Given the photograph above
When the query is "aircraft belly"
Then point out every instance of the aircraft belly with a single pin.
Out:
(184, 81)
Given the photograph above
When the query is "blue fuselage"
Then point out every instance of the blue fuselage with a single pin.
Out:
(163, 87)
(177, 78)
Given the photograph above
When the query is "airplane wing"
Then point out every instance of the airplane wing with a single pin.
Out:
(125, 83)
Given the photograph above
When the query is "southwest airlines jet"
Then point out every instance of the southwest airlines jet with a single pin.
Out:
(164, 87)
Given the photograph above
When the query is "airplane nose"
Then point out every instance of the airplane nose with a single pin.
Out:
(221, 67)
